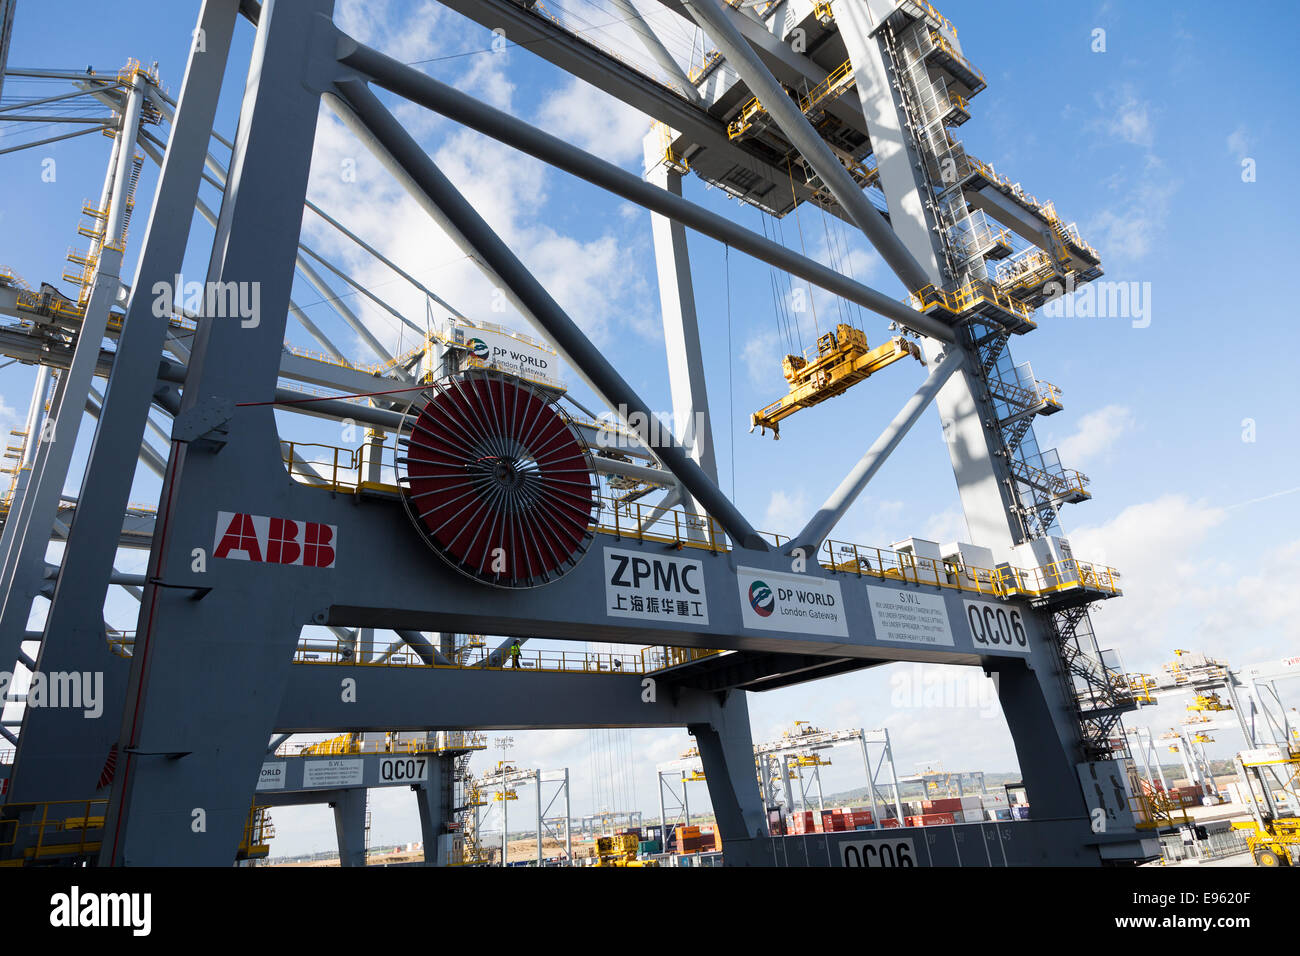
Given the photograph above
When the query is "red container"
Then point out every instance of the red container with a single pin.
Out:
(889, 822)
(937, 819)
(951, 805)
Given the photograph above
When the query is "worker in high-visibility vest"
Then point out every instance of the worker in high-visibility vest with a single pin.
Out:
(514, 654)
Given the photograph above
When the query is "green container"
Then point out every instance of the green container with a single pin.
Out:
(649, 846)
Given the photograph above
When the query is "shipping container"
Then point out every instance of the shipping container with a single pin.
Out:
(943, 806)
(937, 819)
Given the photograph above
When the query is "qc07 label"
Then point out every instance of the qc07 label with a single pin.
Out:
(996, 627)
(655, 587)
(403, 769)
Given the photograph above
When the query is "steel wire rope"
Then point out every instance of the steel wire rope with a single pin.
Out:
(812, 302)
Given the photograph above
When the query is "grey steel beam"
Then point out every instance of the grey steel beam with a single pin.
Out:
(147, 454)
(54, 119)
(219, 181)
(423, 647)
(450, 102)
(819, 526)
(48, 99)
(710, 15)
(655, 47)
(375, 126)
(384, 259)
(360, 288)
(423, 698)
(583, 59)
(315, 280)
(54, 139)
(211, 218)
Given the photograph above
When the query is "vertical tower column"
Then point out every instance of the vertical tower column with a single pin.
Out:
(681, 323)
(350, 826)
(681, 326)
(58, 745)
(24, 567)
(727, 754)
(434, 798)
(967, 413)
(214, 644)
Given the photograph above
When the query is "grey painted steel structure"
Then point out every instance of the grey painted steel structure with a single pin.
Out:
(199, 699)
(711, 15)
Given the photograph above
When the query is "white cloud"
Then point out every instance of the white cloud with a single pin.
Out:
(1185, 587)
(787, 511)
(1130, 120)
(945, 526)
(595, 121)
(1130, 227)
(589, 278)
(1238, 142)
(1097, 432)
(761, 354)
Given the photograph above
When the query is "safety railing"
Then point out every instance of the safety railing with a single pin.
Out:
(9, 277)
(1066, 232)
(1155, 809)
(1026, 396)
(967, 298)
(1025, 271)
(648, 523)
(1003, 582)
(681, 529)
(1140, 687)
(644, 661)
(323, 466)
(258, 832)
(676, 656)
(53, 828)
(925, 8)
(941, 43)
(392, 742)
(1063, 483)
(121, 643)
(836, 82)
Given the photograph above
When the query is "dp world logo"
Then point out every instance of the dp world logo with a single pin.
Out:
(761, 599)
(478, 348)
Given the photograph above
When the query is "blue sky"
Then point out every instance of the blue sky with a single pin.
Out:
(1142, 145)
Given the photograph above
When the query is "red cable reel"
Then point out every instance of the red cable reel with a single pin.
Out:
(497, 479)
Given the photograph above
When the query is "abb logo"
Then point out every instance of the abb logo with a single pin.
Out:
(274, 540)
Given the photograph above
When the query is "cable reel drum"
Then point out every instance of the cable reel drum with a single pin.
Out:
(497, 479)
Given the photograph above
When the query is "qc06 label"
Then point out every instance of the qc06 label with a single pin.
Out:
(655, 587)
(885, 853)
(996, 627)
